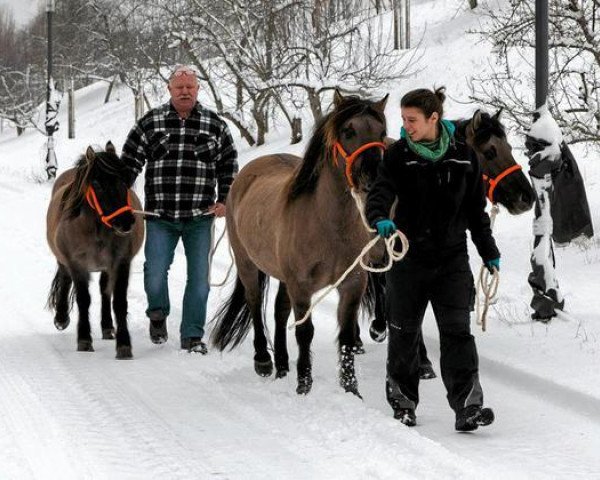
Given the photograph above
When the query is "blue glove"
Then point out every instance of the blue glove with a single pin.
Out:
(385, 228)
(490, 264)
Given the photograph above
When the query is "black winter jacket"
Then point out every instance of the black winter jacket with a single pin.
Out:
(437, 201)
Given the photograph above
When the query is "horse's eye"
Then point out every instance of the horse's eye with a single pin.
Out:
(348, 133)
(490, 154)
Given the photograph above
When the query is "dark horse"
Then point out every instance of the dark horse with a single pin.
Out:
(505, 184)
(91, 228)
(294, 219)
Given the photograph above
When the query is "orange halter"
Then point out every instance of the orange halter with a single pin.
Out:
(91, 198)
(337, 148)
(493, 182)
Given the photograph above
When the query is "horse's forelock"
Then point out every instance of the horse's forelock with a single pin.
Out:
(488, 127)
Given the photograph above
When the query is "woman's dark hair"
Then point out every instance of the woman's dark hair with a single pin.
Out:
(426, 100)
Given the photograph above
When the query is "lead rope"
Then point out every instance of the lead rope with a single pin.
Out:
(487, 283)
(212, 254)
(393, 256)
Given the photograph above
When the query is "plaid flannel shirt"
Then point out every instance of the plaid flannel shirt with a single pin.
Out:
(186, 160)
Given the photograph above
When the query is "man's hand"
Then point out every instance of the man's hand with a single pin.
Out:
(218, 210)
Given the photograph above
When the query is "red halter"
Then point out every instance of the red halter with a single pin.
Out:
(91, 198)
(493, 182)
(337, 148)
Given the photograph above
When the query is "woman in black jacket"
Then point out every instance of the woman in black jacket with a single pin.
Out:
(439, 190)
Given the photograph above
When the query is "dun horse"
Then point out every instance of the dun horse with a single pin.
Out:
(504, 181)
(294, 219)
(91, 228)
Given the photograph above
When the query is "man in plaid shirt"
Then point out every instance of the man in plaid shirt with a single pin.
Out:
(190, 159)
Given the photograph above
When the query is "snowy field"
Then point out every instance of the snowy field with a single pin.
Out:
(169, 414)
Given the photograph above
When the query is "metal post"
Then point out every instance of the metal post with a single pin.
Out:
(51, 110)
(541, 52)
(547, 297)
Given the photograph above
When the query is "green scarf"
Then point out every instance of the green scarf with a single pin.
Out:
(432, 150)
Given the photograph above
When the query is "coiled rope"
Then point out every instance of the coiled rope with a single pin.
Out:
(487, 283)
(393, 256)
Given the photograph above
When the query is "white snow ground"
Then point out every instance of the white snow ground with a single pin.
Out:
(169, 414)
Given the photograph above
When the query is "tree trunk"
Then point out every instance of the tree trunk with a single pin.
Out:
(296, 130)
(110, 89)
(315, 104)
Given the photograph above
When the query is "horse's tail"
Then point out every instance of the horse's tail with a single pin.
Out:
(58, 283)
(233, 320)
(369, 298)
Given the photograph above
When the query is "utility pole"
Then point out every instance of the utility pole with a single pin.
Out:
(51, 102)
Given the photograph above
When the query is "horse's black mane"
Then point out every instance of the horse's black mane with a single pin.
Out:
(106, 162)
(321, 143)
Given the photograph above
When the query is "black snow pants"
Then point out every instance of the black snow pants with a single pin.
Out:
(448, 285)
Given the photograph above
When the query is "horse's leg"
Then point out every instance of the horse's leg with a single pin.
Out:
(59, 297)
(304, 336)
(350, 292)
(378, 328)
(108, 331)
(359, 347)
(82, 295)
(283, 307)
(255, 283)
(120, 309)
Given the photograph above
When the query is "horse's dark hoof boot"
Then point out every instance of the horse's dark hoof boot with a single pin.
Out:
(281, 372)
(358, 348)
(377, 335)
(158, 331)
(108, 333)
(85, 346)
(264, 369)
(124, 352)
(61, 324)
(304, 385)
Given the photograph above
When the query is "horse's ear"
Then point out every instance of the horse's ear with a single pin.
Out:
(338, 98)
(110, 148)
(380, 105)
(90, 154)
(497, 114)
(476, 122)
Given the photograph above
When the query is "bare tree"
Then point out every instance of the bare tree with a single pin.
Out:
(574, 86)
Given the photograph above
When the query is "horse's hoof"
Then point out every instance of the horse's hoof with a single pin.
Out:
(108, 334)
(282, 372)
(124, 352)
(264, 369)
(85, 346)
(304, 385)
(62, 323)
(377, 335)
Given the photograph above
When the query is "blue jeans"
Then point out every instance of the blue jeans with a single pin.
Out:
(161, 239)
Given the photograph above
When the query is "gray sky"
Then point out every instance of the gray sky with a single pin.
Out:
(23, 10)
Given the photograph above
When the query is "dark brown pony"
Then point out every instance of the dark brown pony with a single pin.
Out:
(294, 219)
(504, 180)
(91, 228)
